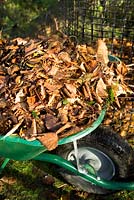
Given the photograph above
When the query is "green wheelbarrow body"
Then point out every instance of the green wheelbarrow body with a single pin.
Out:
(15, 148)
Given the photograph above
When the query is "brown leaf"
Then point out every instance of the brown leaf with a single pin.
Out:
(8, 180)
(96, 73)
(82, 48)
(53, 70)
(29, 48)
(97, 97)
(53, 44)
(3, 103)
(63, 114)
(102, 52)
(117, 101)
(51, 122)
(122, 68)
(52, 87)
(49, 140)
(87, 92)
(92, 65)
(71, 89)
(2, 81)
(72, 131)
(54, 47)
(31, 101)
(127, 89)
(20, 41)
(101, 89)
(14, 68)
(90, 50)
(63, 128)
(118, 89)
(64, 56)
(18, 80)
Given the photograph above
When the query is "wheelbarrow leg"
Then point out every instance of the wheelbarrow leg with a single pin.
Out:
(4, 164)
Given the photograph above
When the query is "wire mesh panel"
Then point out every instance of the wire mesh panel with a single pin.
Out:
(109, 19)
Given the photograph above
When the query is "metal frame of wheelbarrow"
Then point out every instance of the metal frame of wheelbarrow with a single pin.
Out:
(16, 148)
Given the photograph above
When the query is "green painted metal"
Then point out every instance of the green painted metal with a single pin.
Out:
(5, 162)
(16, 148)
(113, 58)
(112, 185)
(90, 169)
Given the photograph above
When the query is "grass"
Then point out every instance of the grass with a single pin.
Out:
(26, 180)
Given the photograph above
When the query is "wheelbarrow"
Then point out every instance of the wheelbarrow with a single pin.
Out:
(95, 160)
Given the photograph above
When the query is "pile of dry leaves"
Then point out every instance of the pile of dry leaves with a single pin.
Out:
(52, 87)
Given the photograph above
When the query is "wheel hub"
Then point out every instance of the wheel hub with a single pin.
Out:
(93, 161)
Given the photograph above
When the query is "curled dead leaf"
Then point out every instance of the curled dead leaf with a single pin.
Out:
(64, 127)
(3, 103)
(13, 68)
(122, 68)
(31, 101)
(49, 140)
(101, 89)
(102, 52)
(64, 56)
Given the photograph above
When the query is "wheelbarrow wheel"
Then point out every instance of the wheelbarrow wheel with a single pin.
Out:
(108, 154)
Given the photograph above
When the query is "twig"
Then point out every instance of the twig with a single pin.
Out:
(13, 129)
(130, 65)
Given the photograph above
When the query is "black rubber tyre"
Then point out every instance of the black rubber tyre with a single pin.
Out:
(117, 153)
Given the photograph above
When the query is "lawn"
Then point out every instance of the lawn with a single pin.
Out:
(35, 180)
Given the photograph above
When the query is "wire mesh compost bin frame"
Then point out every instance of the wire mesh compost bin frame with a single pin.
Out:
(109, 19)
